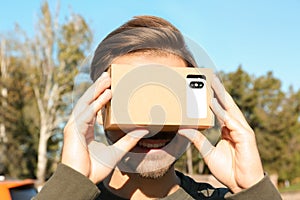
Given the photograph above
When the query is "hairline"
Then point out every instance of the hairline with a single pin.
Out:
(154, 52)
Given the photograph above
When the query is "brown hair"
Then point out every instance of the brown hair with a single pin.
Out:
(142, 33)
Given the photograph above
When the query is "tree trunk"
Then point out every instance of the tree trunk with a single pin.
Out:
(201, 166)
(3, 137)
(42, 152)
(189, 160)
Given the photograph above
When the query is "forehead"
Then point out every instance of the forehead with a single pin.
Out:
(144, 58)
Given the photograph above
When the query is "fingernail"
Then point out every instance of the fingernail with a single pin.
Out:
(189, 133)
(182, 131)
(187, 130)
(104, 74)
(206, 148)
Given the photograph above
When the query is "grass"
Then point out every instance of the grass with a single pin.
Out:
(292, 188)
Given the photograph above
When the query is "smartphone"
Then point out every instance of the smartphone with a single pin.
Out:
(196, 93)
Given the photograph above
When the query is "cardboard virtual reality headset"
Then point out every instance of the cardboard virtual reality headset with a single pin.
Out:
(159, 97)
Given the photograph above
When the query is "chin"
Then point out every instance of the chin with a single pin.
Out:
(153, 156)
(155, 174)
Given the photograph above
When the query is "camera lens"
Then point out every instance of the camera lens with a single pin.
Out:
(196, 84)
(201, 84)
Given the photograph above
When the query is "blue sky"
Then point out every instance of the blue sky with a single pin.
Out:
(261, 36)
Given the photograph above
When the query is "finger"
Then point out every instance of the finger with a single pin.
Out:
(87, 113)
(221, 122)
(199, 140)
(227, 103)
(103, 154)
(130, 139)
(101, 101)
(92, 93)
(83, 121)
(97, 88)
(218, 111)
(226, 134)
(224, 98)
(109, 156)
(227, 119)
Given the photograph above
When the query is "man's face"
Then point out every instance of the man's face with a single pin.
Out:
(154, 155)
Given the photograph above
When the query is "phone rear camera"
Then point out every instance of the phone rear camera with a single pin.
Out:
(196, 84)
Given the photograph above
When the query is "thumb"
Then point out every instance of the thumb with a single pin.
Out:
(128, 141)
(199, 140)
(110, 155)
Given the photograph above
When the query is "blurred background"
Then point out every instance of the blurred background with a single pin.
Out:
(254, 45)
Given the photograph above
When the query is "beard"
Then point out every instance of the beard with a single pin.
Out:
(157, 173)
(152, 166)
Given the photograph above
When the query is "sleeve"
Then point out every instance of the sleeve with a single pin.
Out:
(263, 190)
(68, 184)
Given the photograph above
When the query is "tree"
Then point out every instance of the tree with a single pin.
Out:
(52, 58)
(267, 119)
(274, 116)
(3, 136)
(18, 141)
(279, 137)
(240, 86)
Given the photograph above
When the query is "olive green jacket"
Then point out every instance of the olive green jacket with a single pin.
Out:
(68, 184)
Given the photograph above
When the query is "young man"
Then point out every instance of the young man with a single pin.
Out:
(101, 174)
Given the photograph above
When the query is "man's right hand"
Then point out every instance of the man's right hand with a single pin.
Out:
(79, 133)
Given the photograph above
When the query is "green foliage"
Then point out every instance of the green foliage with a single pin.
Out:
(21, 129)
(41, 73)
(274, 116)
(49, 62)
(272, 113)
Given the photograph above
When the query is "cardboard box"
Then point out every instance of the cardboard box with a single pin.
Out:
(159, 98)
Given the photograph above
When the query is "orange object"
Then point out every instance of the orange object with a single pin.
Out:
(7, 185)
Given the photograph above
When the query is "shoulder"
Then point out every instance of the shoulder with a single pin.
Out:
(200, 190)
